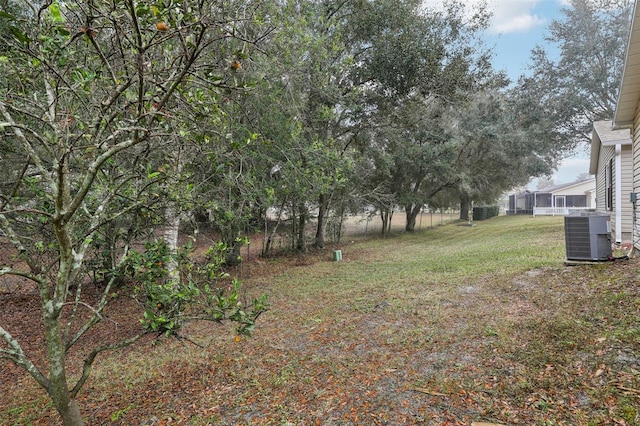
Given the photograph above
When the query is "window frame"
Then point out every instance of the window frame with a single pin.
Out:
(608, 183)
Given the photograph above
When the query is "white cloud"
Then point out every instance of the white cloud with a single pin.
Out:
(508, 15)
(514, 16)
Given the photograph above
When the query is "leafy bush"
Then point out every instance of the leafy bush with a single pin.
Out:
(485, 212)
(193, 292)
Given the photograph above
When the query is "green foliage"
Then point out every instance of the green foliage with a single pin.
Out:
(488, 144)
(117, 415)
(578, 85)
(485, 212)
(425, 65)
(97, 103)
(197, 293)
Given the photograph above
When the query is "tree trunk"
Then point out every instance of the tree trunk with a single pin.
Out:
(322, 223)
(171, 233)
(172, 225)
(52, 304)
(302, 221)
(269, 236)
(465, 203)
(57, 387)
(337, 235)
(412, 211)
(71, 414)
(384, 215)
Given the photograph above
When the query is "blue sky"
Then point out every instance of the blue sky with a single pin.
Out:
(516, 28)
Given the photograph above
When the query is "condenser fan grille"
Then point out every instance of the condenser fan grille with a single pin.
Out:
(587, 237)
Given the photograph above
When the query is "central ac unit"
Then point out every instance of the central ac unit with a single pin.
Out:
(588, 237)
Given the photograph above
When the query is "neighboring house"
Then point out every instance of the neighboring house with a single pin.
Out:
(627, 115)
(612, 165)
(555, 200)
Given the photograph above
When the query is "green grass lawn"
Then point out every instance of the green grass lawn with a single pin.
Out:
(450, 325)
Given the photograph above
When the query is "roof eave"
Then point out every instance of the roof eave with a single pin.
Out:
(630, 84)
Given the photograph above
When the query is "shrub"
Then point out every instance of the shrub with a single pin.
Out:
(485, 212)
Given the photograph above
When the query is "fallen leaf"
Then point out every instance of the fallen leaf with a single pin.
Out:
(429, 392)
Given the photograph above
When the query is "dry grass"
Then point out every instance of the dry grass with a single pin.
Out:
(447, 326)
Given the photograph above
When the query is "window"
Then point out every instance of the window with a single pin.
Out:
(608, 183)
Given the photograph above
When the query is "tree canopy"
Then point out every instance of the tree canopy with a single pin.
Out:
(579, 84)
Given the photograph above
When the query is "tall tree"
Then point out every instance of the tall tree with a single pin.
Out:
(419, 66)
(421, 149)
(85, 109)
(304, 73)
(491, 139)
(579, 84)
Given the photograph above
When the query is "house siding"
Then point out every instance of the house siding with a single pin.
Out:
(580, 188)
(619, 159)
(606, 154)
(636, 168)
(627, 188)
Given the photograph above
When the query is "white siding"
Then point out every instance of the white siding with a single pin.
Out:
(606, 154)
(627, 188)
(579, 188)
(636, 168)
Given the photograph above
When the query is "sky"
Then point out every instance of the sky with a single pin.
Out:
(516, 28)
